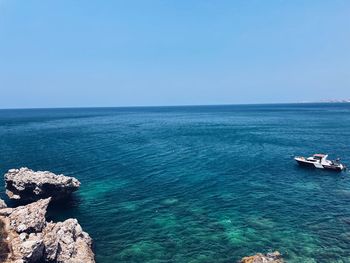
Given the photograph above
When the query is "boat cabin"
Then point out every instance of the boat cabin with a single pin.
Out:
(317, 158)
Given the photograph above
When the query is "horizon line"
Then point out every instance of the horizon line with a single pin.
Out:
(178, 105)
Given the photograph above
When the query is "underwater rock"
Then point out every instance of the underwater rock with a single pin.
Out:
(274, 257)
(26, 185)
(31, 239)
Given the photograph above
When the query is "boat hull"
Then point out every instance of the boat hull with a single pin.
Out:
(305, 163)
(333, 168)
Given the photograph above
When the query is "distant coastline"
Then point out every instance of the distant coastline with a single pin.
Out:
(329, 101)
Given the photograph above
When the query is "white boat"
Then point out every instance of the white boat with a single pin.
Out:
(320, 161)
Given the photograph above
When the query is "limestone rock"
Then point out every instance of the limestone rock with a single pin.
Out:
(29, 218)
(26, 185)
(274, 257)
(5, 211)
(2, 204)
(66, 242)
(31, 239)
(29, 248)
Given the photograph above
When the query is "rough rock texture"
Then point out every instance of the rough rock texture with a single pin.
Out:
(274, 257)
(31, 239)
(4, 247)
(2, 204)
(26, 248)
(26, 185)
(70, 240)
(29, 218)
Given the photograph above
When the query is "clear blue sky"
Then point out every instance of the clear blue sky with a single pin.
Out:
(68, 53)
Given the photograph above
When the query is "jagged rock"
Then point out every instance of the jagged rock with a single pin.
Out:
(31, 239)
(67, 242)
(24, 225)
(274, 257)
(28, 249)
(6, 211)
(29, 218)
(2, 204)
(26, 185)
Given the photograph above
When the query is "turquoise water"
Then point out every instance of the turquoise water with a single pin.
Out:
(194, 184)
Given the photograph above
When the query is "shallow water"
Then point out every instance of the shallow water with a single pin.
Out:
(194, 184)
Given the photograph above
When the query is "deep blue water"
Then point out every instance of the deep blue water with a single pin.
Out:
(194, 184)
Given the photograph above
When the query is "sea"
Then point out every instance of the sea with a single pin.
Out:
(193, 183)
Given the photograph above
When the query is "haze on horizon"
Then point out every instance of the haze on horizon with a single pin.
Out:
(132, 53)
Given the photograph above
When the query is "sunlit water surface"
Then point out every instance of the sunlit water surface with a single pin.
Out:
(193, 184)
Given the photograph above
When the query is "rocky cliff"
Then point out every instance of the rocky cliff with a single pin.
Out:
(26, 185)
(28, 238)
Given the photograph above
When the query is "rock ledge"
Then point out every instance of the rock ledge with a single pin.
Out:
(26, 185)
